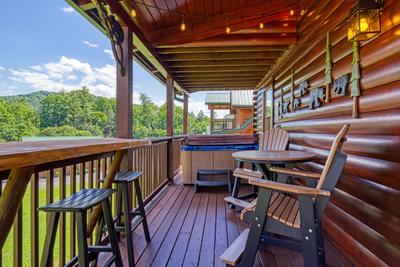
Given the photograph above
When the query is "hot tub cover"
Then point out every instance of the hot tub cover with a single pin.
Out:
(220, 147)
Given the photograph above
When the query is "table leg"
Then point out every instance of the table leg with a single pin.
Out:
(264, 170)
(11, 199)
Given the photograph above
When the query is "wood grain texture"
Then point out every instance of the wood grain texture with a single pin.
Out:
(21, 154)
(361, 218)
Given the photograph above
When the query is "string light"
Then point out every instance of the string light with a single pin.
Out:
(228, 27)
(183, 25)
(261, 26)
(133, 13)
(303, 11)
(291, 12)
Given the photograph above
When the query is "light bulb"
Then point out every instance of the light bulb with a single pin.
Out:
(133, 13)
(183, 25)
(363, 25)
(291, 12)
(261, 26)
(228, 29)
(302, 12)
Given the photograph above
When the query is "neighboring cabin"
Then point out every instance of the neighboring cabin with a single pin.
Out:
(240, 117)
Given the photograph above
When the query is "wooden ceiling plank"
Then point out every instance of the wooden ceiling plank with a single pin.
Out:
(213, 69)
(183, 50)
(244, 40)
(222, 56)
(220, 63)
(241, 18)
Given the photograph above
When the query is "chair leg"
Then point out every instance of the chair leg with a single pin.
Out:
(320, 244)
(50, 239)
(236, 183)
(229, 182)
(309, 235)
(127, 224)
(142, 211)
(256, 228)
(111, 232)
(83, 252)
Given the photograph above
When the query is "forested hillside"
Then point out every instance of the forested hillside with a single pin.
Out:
(79, 113)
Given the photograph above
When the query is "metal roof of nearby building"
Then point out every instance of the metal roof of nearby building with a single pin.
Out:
(242, 99)
(218, 98)
(237, 99)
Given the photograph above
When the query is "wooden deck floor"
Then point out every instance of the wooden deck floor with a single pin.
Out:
(189, 229)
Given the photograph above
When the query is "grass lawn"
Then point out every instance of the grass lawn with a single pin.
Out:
(7, 253)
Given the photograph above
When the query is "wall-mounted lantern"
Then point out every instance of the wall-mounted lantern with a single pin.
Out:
(364, 20)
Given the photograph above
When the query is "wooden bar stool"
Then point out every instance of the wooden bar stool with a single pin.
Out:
(123, 179)
(79, 203)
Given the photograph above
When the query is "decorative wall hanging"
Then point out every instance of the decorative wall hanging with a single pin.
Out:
(285, 107)
(292, 90)
(355, 78)
(303, 87)
(296, 103)
(328, 69)
(340, 85)
(115, 33)
(281, 102)
(316, 96)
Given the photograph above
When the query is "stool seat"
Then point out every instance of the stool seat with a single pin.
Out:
(79, 201)
(126, 176)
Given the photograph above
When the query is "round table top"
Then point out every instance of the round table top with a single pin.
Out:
(286, 156)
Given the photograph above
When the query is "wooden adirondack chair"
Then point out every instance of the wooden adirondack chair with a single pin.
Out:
(274, 139)
(289, 210)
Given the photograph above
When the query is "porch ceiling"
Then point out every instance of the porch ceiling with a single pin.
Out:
(204, 57)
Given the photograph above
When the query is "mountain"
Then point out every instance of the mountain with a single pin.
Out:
(32, 98)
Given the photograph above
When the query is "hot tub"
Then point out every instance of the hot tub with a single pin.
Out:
(209, 157)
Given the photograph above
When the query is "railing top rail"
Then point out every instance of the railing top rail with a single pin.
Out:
(22, 154)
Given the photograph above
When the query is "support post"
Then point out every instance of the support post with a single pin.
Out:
(212, 120)
(170, 127)
(124, 97)
(185, 113)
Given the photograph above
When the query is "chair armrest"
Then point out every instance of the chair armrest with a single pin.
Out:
(298, 173)
(289, 188)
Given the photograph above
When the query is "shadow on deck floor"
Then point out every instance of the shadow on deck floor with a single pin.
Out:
(189, 229)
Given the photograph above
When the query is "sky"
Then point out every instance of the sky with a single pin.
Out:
(47, 45)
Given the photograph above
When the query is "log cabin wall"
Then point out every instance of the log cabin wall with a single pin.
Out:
(363, 216)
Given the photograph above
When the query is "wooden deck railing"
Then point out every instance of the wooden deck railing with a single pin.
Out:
(55, 180)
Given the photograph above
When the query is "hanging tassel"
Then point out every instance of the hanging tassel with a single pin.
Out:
(355, 78)
(292, 90)
(328, 69)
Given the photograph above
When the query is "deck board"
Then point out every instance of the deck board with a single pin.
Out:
(193, 229)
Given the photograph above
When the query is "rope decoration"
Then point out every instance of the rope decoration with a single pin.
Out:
(292, 90)
(328, 69)
(355, 78)
(115, 33)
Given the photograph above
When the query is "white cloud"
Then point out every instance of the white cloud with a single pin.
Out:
(68, 9)
(2, 68)
(69, 74)
(90, 44)
(109, 53)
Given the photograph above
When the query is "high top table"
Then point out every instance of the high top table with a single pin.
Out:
(22, 159)
(263, 159)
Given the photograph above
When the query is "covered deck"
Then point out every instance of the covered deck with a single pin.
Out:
(194, 229)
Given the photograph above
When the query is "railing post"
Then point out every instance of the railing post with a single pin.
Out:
(170, 127)
(185, 113)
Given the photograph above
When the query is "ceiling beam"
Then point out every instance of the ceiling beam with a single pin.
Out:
(245, 40)
(219, 79)
(272, 27)
(214, 69)
(240, 19)
(218, 74)
(194, 90)
(187, 50)
(220, 63)
(223, 56)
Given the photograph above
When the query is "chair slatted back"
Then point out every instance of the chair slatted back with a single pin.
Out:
(335, 148)
(274, 139)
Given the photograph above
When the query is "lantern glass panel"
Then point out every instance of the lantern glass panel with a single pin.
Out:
(363, 24)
